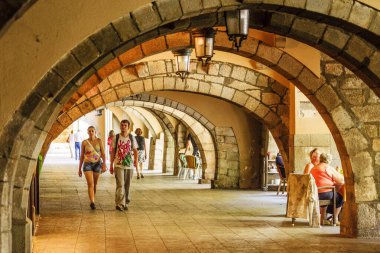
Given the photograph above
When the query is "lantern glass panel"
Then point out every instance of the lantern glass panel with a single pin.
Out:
(200, 46)
(183, 63)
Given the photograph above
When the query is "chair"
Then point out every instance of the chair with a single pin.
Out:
(282, 181)
(191, 165)
(327, 202)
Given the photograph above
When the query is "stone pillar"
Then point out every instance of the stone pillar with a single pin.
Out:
(22, 235)
(228, 168)
(152, 147)
(158, 153)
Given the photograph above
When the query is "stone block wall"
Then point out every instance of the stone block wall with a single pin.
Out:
(228, 158)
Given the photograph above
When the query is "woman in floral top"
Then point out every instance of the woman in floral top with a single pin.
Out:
(91, 152)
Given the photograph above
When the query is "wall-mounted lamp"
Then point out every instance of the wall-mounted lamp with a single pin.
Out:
(204, 44)
(237, 24)
(183, 62)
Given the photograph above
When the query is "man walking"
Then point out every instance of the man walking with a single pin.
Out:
(78, 143)
(123, 161)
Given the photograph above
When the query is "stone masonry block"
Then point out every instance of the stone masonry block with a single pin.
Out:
(142, 70)
(355, 141)
(309, 80)
(268, 54)
(251, 77)
(328, 97)
(239, 73)
(115, 79)
(279, 22)
(376, 144)
(374, 64)
(342, 118)
(191, 7)
(180, 39)
(321, 6)
(126, 28)
(50, 85)
(157, 67)
(320, 140)
(227, 93)
(68, 67)
(86, 107)
(261, 111)
(359, 50)
(216, 89)
(169, 83)
(214, 79)
(361, 15)
(137, 87)
(86, 52)
(154, 46)
(369, 113)
(365, 190)
(240, 98)
(289, 65)
(109, 68)
(106, 39)
(148, 85)
(352, 83)
(97, 101)
(204, 87)
(340, 9)
(335, 39)
(146, 17)
(299, 4)
(170, 10)
(225, 70)
(213, 69)
(270, 98)
(192, 84)
(302, 140)
(158, 83)
(375, 26)
(307, 30)
(243, 86)
(131, 55)
(252, 104)
(129, 74)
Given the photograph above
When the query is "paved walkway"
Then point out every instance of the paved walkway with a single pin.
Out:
(171, 215)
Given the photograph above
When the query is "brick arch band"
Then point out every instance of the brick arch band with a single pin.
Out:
(358, 51)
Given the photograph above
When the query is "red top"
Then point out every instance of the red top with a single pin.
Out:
(109, 142)
(322, 178)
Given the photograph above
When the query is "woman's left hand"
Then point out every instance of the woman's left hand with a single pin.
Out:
(104, 167)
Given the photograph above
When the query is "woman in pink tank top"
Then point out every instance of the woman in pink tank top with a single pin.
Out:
(325, 175)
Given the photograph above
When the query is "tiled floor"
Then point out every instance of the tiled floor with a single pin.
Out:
(171, 215)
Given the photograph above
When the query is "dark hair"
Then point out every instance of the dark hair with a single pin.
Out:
(91, 127)
(312, 151)
(125, 121)
(111, 133)
(325, 158)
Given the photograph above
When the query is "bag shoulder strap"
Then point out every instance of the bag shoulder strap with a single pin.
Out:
(114, 148)
(93, 148)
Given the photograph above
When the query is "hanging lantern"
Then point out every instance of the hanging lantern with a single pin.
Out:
(237, 24)
(183, 62)
(204, 44)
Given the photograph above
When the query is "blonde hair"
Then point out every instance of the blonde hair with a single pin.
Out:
(138, 131)
(325, 158)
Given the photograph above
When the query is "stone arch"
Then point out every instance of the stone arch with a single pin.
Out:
(170, 142)
(358, 51)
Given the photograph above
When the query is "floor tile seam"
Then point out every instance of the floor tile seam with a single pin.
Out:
(130, 230)
(188, 238)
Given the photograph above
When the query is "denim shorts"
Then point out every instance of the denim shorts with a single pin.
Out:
(95, 167)
(329, 195)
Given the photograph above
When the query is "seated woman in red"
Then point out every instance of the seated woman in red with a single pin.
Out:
(326, 175)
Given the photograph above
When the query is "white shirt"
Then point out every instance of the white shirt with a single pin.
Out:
(78, 137)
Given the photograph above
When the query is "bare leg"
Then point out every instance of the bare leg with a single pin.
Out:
(137, 170)
(337, 211)
(141, 169)
(90, 185)
(96, 178)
